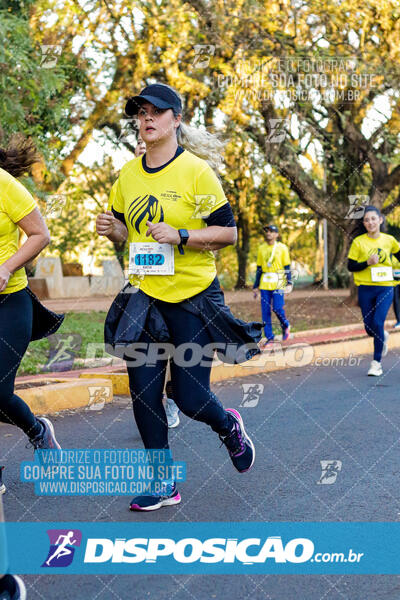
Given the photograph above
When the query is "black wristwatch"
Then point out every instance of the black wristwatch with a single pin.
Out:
(184, 238)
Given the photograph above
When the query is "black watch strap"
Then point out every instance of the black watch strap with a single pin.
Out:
(184, 238)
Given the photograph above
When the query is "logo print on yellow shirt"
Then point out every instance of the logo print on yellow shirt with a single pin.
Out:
(143, 209)
(381, 253)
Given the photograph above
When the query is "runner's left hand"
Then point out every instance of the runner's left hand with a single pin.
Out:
(163, 233)
(288, 288)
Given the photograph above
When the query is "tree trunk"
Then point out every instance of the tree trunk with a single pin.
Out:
(242, 250)
(353, 298)
(335, 248)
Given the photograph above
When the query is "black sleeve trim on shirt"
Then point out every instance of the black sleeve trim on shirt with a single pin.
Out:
(288, 273)
(119, 216)
(223, 217)
(397, 255)
(354, 266)
(258, 278)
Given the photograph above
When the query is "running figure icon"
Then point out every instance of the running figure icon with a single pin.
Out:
(62, 550)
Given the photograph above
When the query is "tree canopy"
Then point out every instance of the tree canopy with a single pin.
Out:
(305, 94)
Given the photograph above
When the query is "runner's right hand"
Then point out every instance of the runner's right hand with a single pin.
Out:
(105, 223)
(373, 259)
(255, 294)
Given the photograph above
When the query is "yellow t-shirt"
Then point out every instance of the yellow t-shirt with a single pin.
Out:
(175, 195)
(272, 259)
(15, 203)
(363, 247)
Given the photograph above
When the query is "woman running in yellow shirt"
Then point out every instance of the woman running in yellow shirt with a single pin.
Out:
(170, 205)
(171, 409)
(18, 210)
(370, 259)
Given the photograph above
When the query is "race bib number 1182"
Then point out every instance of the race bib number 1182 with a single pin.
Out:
(151, 259)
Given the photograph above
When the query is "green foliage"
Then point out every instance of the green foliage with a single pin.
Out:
(16, 7)
(339, 278)
(393, 223)
(84, 196)
(227, 266)
(33, 98)
(88, 325)
(134, 43)
(73, 230)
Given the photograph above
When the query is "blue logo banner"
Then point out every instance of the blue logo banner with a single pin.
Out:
(3, 553)
(215, 548)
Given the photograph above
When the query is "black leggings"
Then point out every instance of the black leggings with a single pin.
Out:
(15, 335)
(190, 384)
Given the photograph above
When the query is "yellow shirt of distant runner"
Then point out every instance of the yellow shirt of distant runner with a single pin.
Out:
(280, 258)
(363, 247)
(15, 204)
(181, 194)
(396, 267)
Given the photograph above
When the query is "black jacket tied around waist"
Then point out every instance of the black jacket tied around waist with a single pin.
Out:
(133, 310)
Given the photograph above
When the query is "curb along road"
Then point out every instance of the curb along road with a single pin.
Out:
(91, 388)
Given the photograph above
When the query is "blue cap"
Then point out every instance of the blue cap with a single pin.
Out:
(159, 94)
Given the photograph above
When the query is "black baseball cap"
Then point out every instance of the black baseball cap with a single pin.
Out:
(271, 228)
(159, 94)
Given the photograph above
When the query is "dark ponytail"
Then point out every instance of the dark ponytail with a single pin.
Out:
(359, 228)
(19, 155)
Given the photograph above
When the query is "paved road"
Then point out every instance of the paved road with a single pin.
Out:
(304, 416)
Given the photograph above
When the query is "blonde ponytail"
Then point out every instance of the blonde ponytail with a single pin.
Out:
(203, 144)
